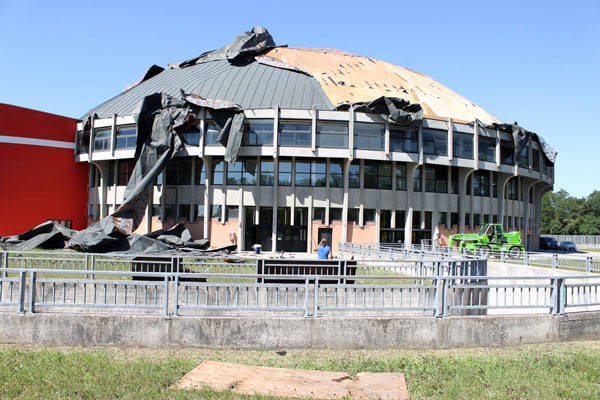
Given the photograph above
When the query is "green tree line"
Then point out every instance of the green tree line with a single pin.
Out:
(563, 214)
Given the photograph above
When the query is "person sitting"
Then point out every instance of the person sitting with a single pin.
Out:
(323, 250)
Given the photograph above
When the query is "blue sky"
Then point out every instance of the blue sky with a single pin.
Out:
(528, 61)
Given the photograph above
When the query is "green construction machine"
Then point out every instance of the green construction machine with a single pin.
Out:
(490, 238)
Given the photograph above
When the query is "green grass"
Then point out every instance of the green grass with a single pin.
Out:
(546, 371)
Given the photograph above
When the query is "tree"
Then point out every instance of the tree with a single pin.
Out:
(563, 214)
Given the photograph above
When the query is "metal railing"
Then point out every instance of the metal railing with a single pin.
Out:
(396, 251)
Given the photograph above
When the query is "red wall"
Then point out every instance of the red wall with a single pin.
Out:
(38, 183)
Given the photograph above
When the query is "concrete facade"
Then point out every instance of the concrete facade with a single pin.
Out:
(418, 209)
(268, 333)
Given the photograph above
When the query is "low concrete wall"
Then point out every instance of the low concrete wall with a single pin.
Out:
(292, 332)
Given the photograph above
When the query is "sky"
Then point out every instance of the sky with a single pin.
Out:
(537, 63)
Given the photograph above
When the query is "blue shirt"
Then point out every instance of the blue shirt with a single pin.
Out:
(323, 252)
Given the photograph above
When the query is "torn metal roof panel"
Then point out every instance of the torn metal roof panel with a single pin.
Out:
(254, 85)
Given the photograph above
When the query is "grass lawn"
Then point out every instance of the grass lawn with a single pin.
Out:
(545, 371)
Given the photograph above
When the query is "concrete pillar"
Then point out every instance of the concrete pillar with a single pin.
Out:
(207, 191)
(275, 201)
(345, 201)
(463, 176)
(408, 216)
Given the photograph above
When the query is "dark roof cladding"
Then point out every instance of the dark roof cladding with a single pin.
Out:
(254, 85)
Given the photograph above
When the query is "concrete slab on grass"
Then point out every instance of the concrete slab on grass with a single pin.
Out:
(294, 383)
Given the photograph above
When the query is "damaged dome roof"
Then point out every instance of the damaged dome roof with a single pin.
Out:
(253, 72)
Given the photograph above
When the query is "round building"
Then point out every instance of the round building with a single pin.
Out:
(314, 162)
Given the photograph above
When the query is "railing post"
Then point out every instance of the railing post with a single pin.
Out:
(22, 285)
(440, 289)
(502, 254)
(32, 292)
(93, 264)
(166, 305)
(555, 261)
(306, 289)
(5, 262)
(316, 305)
(588, 264)
(562, 289)
(526, 258)
(176, 296)
(558, 303)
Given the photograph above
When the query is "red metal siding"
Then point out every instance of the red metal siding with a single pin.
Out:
(38, 183)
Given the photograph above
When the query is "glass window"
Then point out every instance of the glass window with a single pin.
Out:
(535, 160)
(215, 211)
(218, 170)
(125, 170)
(378, 175)
(400, 219)
(200, 173)
(231, 213)
(102, 139)
(435, 142)
(293, 133)
(198, 211)
(487, 149)
(524, 157)
(311, 173)
(191, 136)
(476, 220)
(494, 184)
(184, 211)
(332, 134)
(385, 218)
(211, 133)
(335, 214)
(416, 220)
(319, 214)
(462, 145)
(436, 179)
(453, 219)
(267, 172)
(486, 219)
(243, 172)
(354, 175)
(284, 215)
(156, 210)
(126, 137)
(369, 215)
(369, 136)
(442, 218)
(404, 140)
(417, 179)
(265, 216)
(336, 173)
(468, 220)
(92, 176)
(481, 183)
(179, 171)
(170, 211)
(512, 190)
(507, 152)
(250, 215)
(454, 180)
(258, 132)
(318, 173)
(400, 176)
(285, 173)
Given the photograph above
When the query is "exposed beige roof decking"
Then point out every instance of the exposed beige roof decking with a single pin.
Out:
(347, 77)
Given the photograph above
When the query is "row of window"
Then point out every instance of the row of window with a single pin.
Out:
(196, 211)
(368, 136)
(313, 173)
